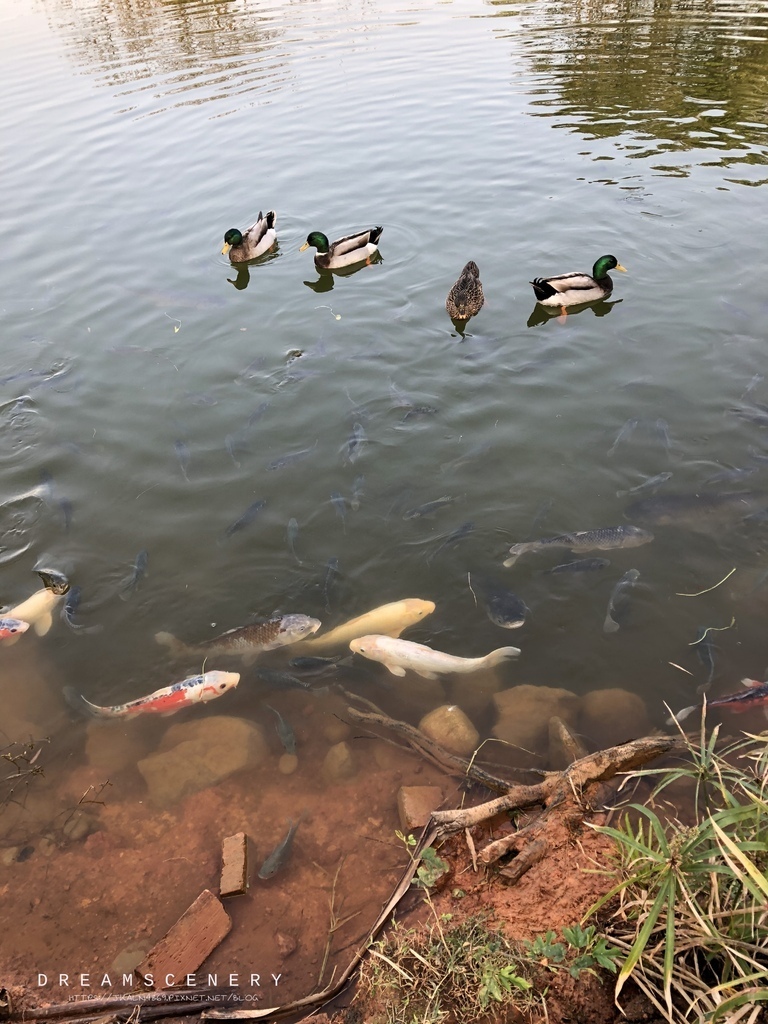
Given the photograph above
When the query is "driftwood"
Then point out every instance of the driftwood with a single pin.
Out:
(571, 784)
(563, 797)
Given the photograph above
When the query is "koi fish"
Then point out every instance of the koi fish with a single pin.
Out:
(246, 641)
(754, 696)
(399, 655)
(11, 630)
(37, 610)
(167, 701)
(390, 618)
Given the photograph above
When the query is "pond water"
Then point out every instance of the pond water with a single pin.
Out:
(150, 393)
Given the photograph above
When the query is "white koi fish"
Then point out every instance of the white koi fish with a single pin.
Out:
(37, 610)
(390, 619)
(167, 701)
(399, 655)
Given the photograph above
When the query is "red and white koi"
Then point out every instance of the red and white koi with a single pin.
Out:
(167, 701)
(11, 629)
(755, 695)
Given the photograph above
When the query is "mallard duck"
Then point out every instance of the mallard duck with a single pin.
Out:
(344, 252)
(466, 297)
(575, 289)
(254, 242)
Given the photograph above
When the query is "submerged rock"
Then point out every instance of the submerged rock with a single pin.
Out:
(334, 730)
(450, 727)
(288, 764)
(613, 716)
(204, 753)
(79, 825)
(523, 721)
(339, 764)
(286, 944)
(473, 693)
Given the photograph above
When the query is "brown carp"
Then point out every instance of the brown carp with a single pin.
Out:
(585, 540)
(246, 642)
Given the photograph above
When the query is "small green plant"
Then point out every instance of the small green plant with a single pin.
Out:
(431, 870)
(499, 982)
(545, 950)
(582, 950)
(593, 950)
(408, 840)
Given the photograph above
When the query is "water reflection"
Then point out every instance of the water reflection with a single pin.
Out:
(543, 314)
(186, 53)
(242, 278)
(658, 77)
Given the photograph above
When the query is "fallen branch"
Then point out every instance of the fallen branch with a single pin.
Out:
(563, 797)
(427, 747)
(561, 786)
(147, 1012)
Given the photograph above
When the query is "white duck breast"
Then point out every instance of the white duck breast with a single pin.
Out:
(401, 655)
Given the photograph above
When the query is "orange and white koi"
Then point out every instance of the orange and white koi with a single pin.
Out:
(166, 701)
(11, 629)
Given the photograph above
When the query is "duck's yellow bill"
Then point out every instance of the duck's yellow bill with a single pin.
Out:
(226, 249)
(619, 267)
(303, 247)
